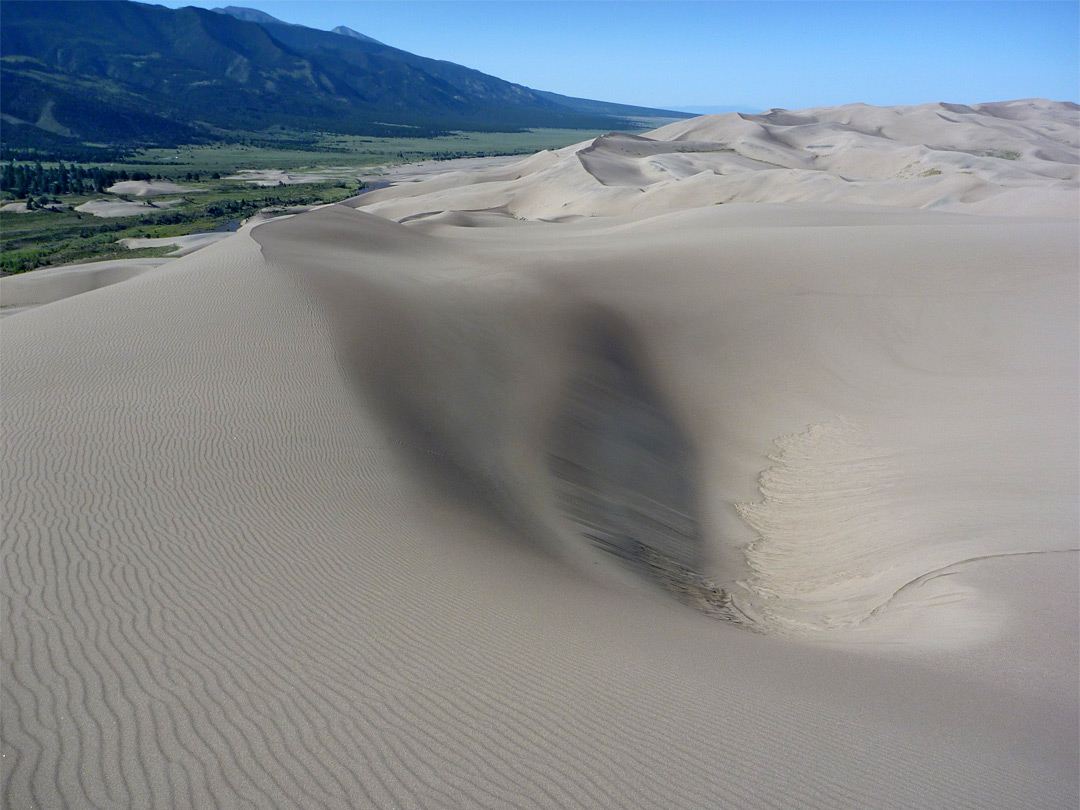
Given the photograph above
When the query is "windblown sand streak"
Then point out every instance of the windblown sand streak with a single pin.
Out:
(286, 520)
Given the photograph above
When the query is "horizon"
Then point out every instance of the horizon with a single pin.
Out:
(655, 53)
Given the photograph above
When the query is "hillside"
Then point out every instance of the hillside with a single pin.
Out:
(131, 73)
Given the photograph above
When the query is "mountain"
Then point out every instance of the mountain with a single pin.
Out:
(261, 17)
(129, 73)
(254, 15)
(592, 107)
(348, 32)
(249, 15)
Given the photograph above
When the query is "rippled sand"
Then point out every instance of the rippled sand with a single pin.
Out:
(444, 498)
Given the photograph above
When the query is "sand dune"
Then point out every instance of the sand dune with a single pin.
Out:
(184, 244)
(671, 505)
(21, 207)
(276, 177)
(1009, 158)
(51, 284)
(150, 188)
(123, 208)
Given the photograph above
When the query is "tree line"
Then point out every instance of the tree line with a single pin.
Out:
(25, 181)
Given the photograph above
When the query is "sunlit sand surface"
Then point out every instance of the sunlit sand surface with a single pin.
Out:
(730, 467)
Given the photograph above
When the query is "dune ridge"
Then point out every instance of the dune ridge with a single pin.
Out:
(1003, 158)
(491, 394)
(474, 509)
(54, 283)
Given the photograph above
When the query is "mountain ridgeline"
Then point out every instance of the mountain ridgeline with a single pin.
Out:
(124, 73)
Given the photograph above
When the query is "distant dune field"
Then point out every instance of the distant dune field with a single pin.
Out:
(733, 466)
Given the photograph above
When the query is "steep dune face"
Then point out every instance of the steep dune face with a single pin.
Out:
(843, 339)
(672, 505)
(1013, 157)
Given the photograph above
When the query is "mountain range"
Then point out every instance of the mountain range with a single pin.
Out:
(121, 72)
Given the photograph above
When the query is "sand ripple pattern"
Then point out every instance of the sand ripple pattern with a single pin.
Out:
(229, 581)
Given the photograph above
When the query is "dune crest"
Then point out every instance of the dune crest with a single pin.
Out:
(1016, 158)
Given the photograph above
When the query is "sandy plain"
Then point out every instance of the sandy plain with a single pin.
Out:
(731, 467)
(277, 177)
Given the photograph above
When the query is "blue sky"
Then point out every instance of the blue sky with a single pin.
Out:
(750, 55)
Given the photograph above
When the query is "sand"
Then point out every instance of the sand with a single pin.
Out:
(399, 173)
(1014, 158)
(50, 284)
(426, 169)
(21, 208)
(25, 290)
(761, 504)
(277, 177)
(184, 244)
(123, 208)
(150, 188)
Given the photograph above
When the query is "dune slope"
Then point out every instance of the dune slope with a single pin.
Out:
(751, 505)
(1015, 158)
